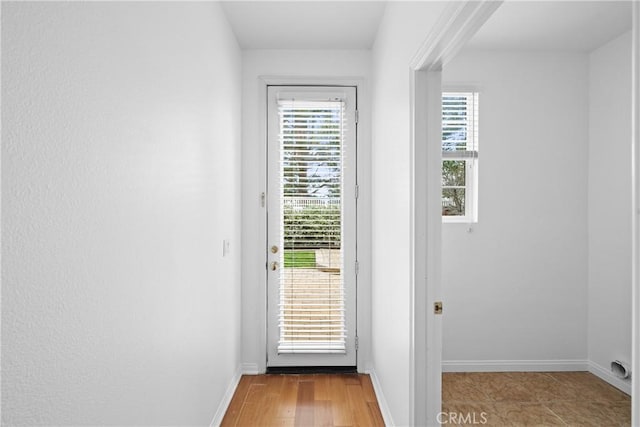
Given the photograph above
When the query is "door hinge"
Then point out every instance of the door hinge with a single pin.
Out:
(357, 343)
(357, 116)
(357, 267)
(357, 191)
(262, 199)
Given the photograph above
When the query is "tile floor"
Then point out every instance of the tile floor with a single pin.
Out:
(532, 399)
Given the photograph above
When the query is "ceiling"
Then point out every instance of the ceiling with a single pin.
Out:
(306, 24)
(580, 26)
(352, 24)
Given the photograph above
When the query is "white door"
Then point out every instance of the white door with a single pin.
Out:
(311, 251)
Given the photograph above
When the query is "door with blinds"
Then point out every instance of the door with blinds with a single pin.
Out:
(311, 211)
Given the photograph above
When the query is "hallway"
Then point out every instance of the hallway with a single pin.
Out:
(304, 400)
(141, 255)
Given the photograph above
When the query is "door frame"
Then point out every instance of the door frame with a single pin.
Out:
(275, 214)
(635, 170)
(458, 23)
(363, 218)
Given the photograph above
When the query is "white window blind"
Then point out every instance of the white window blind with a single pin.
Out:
(311, 285)
(459, 155)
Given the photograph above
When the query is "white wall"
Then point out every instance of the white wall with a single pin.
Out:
(120, 169)
(610, 204)
(301, 67)
(515, 287)
(404, 27)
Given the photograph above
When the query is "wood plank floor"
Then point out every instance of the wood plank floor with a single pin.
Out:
(304, 400)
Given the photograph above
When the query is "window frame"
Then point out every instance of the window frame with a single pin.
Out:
(470, 157)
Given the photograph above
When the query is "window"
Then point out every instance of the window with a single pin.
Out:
(459, 156)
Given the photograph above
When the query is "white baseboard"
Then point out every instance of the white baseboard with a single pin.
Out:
(607, 376)
(250, 369)
(226, 399)
(382, 402)
(514, 365)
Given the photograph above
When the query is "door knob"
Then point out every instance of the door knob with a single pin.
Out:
(274, 249)
(274, 266)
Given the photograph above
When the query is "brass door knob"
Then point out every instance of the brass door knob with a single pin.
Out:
(274, 266)
(274, 249)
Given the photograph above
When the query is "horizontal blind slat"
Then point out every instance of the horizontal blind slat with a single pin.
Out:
(311, 317)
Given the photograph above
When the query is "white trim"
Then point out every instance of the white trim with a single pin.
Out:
(606, 375)
(635, 309)
(364, 204)
(341, 352)
(426, 227)
(382, 401)
(250, 369)
(454, 28)
(226, 399)
(514, 365)
(261, 303)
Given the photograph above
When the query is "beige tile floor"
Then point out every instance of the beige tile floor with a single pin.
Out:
(532, 399)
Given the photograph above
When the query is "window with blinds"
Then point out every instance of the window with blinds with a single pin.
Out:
(311, 286)
(459, 156)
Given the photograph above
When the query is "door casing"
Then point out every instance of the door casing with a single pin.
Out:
(259, 299)
(349, 244)
(459, 22)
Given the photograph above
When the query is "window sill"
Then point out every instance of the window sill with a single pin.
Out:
(458, 220)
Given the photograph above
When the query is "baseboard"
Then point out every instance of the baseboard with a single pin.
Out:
(514, 365)
(226, 399)
(607, 376)
(306, 370)
(250, 369)
(382, 402)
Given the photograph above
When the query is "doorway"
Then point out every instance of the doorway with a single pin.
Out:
(311, 226)
(435, 68)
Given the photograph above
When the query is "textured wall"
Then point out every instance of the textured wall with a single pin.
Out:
(120, 178)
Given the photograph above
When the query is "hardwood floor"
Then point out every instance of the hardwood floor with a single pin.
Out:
(304, 400)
